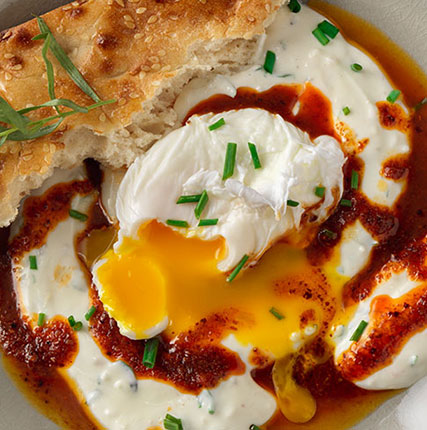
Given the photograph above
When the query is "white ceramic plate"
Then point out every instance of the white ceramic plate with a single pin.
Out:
(405, 21)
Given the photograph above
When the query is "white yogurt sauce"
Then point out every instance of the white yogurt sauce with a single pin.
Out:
(116, 399)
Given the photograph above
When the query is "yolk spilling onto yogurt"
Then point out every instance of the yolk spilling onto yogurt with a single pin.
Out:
(165, 278)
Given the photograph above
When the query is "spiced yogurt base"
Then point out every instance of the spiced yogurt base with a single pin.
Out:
(327, 262)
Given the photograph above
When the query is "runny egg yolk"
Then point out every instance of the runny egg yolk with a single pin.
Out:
(166, 275)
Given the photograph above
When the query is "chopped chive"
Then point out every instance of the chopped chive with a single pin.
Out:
(320, 36)
(320, 191)
(329, 234)
(354, 180)
(230, 160)
(238, 268)
(177, 223)
(77, 215)
(254, 155)
(89, 313)
(71, 321)
(329, 29)
(193, 198)
(359, 331)
(41, 318)
(150, 352)
(393, 96)
(270, 60)
(419, 105)
(78, 326)
(217, 124)
(356, 67)
(346, 110)
(276, 313)
(201, 204)
(294, 6)
(33, 262)
(254, 427)
(172, 423)
(206, 222)
(292, 203)
(345, 202)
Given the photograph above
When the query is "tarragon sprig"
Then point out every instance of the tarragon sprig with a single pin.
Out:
(19, 126)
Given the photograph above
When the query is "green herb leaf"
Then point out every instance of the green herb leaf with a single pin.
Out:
(238, 268)
(354, 180)
(328, 29)
(356, 67)
(89, 313)
(66, 63)
(270, 60)
(77, 215)
(359, 331)
(319, 191)
(13, 117)
(150, 352)
(254, 427)
(320, 36)
(254, 155)
(78, 326)
(217, 124)
(33, 262)
(49, 67)
(172, 423)
(422, 103)
(345, 202)
(71, 321)
(177, 223)
(207, 222)
(194, 198)
(292, 203)
(40, 319)
(329, 234)
(393, 96)
(346, 110)
(201, 204)
(277, 313)
(230, 160)
(294, 6)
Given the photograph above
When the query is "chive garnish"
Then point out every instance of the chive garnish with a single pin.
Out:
(276, 313)
(329, 29)
(77, 215)
(150, 352)
(292, 203)
(193, 198)
(345, 202)
(33, 262)
(329, 234)
(294, 6)
(254, 427)
(393, 96)
(419, 105)
(270, 60)
(71, 321)
(346, 110)
(177, 223)
(359, 331)
(320, 36)
(354, 180)
(238, 268)
(41, 318)
(89, 313)
(172, 423)
(319, 191)
(78, 326)
(230, 160)
(201, 204)
(217, 124)
(356, 67)
(206, 222)
(254, 155)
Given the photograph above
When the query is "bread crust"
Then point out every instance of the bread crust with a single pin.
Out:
(129, 50)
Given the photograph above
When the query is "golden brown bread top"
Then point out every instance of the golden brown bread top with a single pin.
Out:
(125, 49)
